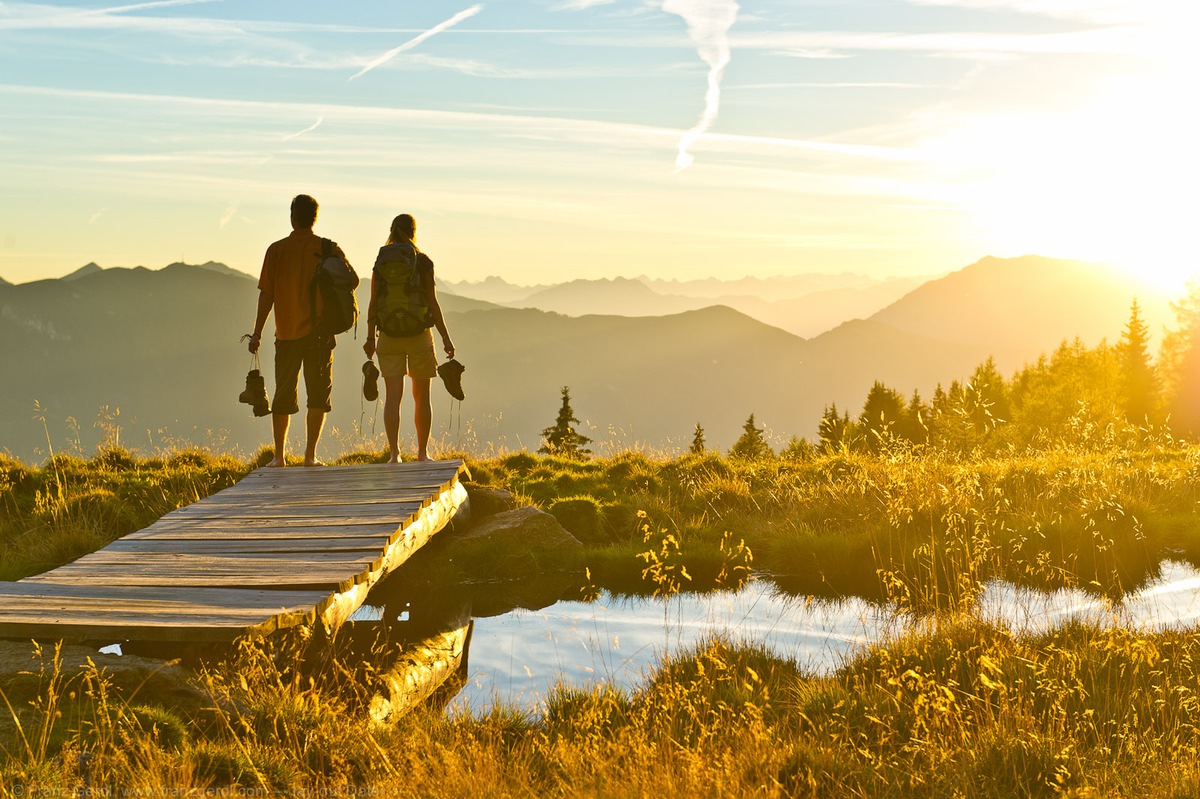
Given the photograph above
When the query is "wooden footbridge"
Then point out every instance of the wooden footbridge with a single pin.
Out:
(282, 547)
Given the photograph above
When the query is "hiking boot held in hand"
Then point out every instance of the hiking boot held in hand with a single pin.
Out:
(255, 393)
(370, 381)
(451, 374)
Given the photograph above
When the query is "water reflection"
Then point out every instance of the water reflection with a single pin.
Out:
(405, 650)
(523, 638)
(517, 657)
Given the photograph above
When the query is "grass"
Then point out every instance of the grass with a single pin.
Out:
(959, 707)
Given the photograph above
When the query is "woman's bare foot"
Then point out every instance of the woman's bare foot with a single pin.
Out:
(276, 463)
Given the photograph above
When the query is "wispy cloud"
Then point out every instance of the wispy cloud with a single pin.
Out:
(513, 126)
(416, 40)
(708, 24)
(1101, 11)
(1095, 41)
(309, 129)
(579, 5)
(94, 218)
(37, 16)
(228, 216)
(146, 6)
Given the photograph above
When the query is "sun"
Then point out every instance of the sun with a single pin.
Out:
(1113, 178)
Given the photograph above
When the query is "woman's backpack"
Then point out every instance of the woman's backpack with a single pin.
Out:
(403, 285)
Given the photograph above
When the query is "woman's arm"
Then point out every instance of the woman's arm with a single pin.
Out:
(435, 309)
(369, 344)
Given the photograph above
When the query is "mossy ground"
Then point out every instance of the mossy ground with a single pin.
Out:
(958, 708)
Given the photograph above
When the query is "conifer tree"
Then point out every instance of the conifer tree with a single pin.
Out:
(834, 430)
(1139, 385)
(698, 441)
(1179, 363)
(751, 444)
(915, 424)
(883, 409)
(561, 438)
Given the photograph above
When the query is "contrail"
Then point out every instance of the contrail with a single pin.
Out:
(708, 24)
(309, 129)
(413, 42)
(144, 6)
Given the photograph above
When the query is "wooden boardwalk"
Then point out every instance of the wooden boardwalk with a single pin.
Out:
(283, 547)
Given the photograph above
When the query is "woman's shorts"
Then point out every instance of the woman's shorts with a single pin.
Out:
(411, 355)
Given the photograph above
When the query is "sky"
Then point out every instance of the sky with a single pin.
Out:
(549, 140)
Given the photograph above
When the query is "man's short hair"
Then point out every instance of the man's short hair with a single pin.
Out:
(304, 210)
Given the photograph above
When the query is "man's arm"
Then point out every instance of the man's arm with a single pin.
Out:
(265, 302)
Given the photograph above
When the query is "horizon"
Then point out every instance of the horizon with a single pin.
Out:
(582, 139)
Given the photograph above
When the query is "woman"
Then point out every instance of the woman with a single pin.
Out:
(403, 308)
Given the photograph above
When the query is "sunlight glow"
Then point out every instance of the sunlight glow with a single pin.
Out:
(1113, 179)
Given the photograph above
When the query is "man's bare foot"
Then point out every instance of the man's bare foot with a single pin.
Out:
(393, 459)
(313, 462)
(276, 463)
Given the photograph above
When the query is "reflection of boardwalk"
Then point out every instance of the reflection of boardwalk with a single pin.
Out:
(282, 547)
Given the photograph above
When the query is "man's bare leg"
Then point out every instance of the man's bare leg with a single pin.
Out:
(394, 386)
(279, 428)
(315, 422)
(422, 415)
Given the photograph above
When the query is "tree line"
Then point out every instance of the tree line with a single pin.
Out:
(1074, 389)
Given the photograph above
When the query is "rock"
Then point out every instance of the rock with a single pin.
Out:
(25, 674)
(17, 657)
(525, 528)
(513, 545)
(487, 501)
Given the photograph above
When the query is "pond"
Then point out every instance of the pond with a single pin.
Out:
(516, 656)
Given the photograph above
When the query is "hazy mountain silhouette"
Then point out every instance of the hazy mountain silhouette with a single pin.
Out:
(83, 271)
(163, 347)
(804, 306)
(619, 296)
(492, 289)
(1014, 307)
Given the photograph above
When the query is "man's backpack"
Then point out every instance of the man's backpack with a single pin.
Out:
(335, 281)
(403, 285)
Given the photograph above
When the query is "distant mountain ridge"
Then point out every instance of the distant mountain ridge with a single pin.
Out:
(162, 345)
(805, 305)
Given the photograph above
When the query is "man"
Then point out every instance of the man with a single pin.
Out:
(286, 285)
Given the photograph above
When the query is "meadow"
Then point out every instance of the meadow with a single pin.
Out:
(956, 707)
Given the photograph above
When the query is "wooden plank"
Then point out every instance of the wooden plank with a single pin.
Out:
(153, 613)
(270, 533)
(265, 528)
(243, 545)
(346, 499)
(181, 597)
(330, 580)
(106, 559)
(250, 513)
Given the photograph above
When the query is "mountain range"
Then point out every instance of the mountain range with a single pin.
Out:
(804, 305)
(162, 346)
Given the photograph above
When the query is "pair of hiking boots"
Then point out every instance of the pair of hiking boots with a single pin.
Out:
(450, 372)
(255, 393)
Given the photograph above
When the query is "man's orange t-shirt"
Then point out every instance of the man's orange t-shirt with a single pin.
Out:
(288, 270)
